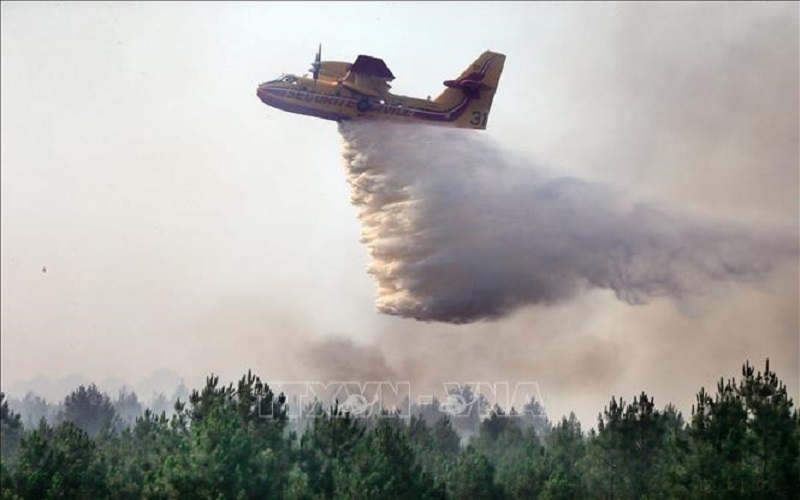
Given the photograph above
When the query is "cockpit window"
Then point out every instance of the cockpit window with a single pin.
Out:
(285, 79)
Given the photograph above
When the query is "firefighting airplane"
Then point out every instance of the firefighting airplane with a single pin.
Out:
(344, 91)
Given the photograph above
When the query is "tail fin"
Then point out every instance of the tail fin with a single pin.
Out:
(479, 83)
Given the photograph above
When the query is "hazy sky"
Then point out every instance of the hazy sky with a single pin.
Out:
(185, 225)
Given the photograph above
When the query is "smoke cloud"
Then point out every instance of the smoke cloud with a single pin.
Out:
(459, 231)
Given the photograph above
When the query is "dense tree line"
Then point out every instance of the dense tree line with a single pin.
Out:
(236, 442)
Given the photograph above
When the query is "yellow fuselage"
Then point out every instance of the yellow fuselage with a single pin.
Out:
(333, 100)
(344, 91)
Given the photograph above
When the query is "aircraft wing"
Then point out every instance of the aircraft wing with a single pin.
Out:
(372, 66)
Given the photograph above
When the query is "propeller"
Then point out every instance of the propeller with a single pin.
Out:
(317, 64)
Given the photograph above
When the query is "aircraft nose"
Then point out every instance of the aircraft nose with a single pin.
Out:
(261, 92)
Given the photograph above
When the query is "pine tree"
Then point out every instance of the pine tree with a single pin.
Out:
(89, 409)
(10, 431)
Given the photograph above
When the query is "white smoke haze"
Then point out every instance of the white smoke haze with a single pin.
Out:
(458, 231)
(217, 243)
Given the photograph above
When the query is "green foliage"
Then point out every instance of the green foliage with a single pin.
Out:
(127, 407)
(632, 451)
(743, 442)
(134, 456)
(435, 446)
(383, 466)
(33, 409)
(467, 419)
(58, 463)
(234, 442)
(90, 410)
(10, 430)
(234, 447)
(472, 476)
(331, 440)
(566, 448)
(516, 453)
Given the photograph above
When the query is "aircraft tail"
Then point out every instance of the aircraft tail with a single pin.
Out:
(478, 83)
